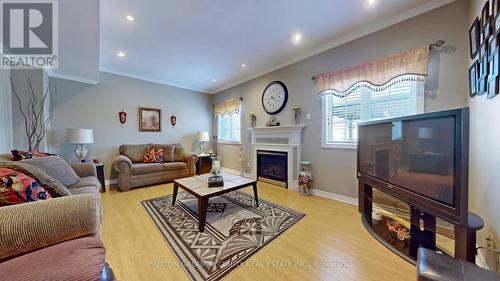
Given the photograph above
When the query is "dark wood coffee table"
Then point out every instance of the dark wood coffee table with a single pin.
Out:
(198, 187)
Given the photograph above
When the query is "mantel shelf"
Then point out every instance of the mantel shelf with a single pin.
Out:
(284, 128)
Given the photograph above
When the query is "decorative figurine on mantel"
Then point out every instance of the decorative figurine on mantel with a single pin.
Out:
(305, 179)
(272, 122)
(296, 114)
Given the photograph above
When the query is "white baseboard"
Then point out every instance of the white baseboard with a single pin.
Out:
(110, 182)
(335, 196)
(231, 171)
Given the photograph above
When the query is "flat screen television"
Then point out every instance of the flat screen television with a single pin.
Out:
(420, 159)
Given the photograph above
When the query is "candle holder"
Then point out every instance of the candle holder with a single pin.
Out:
(297, 116)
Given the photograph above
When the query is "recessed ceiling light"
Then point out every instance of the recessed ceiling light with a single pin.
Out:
(243, 65)
(296, 38)
(371, 2)
(121, 54)
(213, 80)
(130, 18)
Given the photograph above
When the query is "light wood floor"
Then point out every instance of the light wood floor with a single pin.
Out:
(330, 243)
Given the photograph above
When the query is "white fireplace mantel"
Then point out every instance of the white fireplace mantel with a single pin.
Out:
(287, 139)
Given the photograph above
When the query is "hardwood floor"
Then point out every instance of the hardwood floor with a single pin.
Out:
(330, 243)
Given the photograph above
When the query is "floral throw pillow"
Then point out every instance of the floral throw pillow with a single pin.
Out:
(16, 188)
(153, 155)
(18, 155)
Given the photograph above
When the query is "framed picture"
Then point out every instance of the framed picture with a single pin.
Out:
(149, 119)
(492, 46)
(482, 86)
(473, 79)
(485, 13)
(474, 38)
(493, 64)
(487, 29)
(483, 67)
(497, 23)
(483, 50)
(494, 8)
(492, 88)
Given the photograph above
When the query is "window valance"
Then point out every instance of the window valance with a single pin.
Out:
(228, 108)
(378, 74)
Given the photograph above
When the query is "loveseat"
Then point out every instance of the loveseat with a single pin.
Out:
(133, 172)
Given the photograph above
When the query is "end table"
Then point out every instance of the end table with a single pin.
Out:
(204, 164)
(100, 175)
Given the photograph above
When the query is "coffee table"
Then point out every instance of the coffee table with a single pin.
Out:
(198, 187)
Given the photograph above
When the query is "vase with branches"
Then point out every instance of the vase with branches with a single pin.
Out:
(36, 122)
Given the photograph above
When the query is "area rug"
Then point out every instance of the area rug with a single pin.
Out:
(235, 230)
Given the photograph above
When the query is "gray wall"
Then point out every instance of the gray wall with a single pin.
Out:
(96, 106)
(484, 157)
(334, 169)
(5, 112)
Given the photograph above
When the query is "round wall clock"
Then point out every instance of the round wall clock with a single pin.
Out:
(274, 97)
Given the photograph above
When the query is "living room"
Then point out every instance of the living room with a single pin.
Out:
(242, 140)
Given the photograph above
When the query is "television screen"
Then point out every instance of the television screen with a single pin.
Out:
(416, 155)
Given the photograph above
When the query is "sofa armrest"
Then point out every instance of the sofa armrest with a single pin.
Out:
(31, 226)
(122, 163)
(85, 169)
(190, 158)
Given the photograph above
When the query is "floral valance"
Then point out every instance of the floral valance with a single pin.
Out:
(228, 108)
(377, 74)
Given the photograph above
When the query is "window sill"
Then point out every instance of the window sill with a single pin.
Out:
(229, 142)
(340, 145)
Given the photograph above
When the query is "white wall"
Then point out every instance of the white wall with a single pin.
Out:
(5, 112)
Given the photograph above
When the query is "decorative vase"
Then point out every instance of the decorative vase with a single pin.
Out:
(305, 179)
(296, 114)
(253, 119)
(216, 167)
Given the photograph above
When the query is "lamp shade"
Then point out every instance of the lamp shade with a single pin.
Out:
(203, 136)
(80, 136)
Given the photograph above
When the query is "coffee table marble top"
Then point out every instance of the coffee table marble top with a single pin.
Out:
(199, 184)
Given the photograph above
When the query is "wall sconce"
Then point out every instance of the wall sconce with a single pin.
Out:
(173, 120)
(122, 117)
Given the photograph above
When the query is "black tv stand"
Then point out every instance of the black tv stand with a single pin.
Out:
(422, 229)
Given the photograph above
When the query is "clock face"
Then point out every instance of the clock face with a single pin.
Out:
(274, 97)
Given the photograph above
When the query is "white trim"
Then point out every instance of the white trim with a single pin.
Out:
(229, 142)
(158, 81)
(340, 145)
(71, 77)
(110, 182)
(372, 28)
(335, 196)
(231, 171)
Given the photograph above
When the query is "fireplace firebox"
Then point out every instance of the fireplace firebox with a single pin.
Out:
(272, 167)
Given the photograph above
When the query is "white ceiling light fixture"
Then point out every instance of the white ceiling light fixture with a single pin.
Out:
(121, 54)
(213, 80)
(371, 3)
(130, 18)
(296, 38)
(243, 65)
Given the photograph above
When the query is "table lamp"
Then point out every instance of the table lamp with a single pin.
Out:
(80, 138)
(202, 138)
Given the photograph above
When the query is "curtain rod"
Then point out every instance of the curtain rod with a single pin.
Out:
(240, 98)
(437, 44)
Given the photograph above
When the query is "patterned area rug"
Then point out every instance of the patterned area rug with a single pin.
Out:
(235, 230)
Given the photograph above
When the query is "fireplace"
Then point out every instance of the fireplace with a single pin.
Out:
(272, 167)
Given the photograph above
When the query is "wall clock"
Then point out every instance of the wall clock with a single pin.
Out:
(274, 97)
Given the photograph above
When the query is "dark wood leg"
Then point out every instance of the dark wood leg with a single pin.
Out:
(365, 195)
(425, 238)
(465, 243)
(202, 213)
(174, 196)
(254, 185)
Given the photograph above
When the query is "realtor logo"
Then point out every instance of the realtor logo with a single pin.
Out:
(29, 34)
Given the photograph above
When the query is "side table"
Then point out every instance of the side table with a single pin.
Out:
(204, 164)
(100, 175)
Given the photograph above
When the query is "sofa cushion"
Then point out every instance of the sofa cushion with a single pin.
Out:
(135, 152)
(141, 169)
(84, 182)
(16, 188)
(53, 186)
(57, 168)
(179, 154)
(89, 189)
(153, 155)
(18, 155)
(78, 259)
(168, 151)
(174, 166)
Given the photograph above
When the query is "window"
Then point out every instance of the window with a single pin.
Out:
(228, 128)
(341, 115)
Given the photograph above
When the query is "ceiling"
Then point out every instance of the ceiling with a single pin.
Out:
(202, 44)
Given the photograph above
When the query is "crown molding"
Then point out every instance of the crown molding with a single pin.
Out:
(342, 40)
(53, 74)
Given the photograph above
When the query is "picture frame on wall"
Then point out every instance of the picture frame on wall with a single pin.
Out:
(492, 46)
(485, 13)
(482, 85)
(483, 67)
(474, 38)
(483, 50)
(473, 79)
(149, 119)
(493, 64)
(487, 29)
(495, 9)
(492, 88)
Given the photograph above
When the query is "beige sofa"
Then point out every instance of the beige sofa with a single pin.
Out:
(133, 172)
